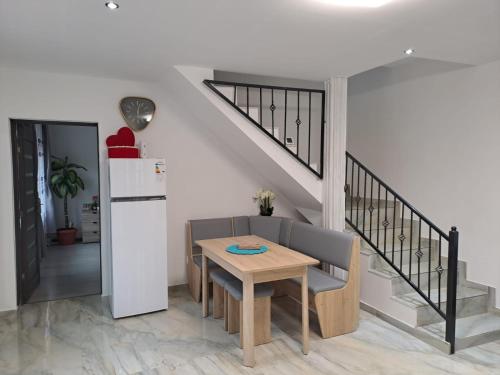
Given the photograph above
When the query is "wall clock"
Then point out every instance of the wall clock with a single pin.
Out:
(137, 112)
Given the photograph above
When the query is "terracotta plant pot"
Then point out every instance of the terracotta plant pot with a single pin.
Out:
(66, 236)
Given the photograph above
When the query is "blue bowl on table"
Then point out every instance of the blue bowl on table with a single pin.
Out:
(233, 249)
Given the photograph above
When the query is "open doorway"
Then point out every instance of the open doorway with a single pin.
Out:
(57, 211)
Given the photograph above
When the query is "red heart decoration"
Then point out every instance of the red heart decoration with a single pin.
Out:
(124, 137)
(112, 141)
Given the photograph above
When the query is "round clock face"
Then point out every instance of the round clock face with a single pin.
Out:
(137, 112)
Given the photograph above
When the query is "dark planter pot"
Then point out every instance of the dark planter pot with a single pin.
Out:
(266, 211)
(66, 236)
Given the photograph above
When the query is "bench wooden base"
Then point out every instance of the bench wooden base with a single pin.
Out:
(194, 281)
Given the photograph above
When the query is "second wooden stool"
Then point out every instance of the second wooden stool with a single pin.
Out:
(262, 311)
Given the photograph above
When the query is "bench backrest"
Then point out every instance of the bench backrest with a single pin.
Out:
(285, 230)
(326, 245)
(241, 226)
(205, 229)
(267, 227)
(272, 228)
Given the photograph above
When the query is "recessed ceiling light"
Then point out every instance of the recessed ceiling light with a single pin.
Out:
(358, 3)
(112, 5)
(409, 51)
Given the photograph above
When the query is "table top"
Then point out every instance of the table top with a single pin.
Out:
(276, 258)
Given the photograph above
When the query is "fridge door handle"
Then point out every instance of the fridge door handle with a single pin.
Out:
(139, 199)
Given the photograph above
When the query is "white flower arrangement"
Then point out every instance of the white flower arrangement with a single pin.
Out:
(265, 199)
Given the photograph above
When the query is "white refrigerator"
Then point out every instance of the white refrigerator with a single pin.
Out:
(138, 236)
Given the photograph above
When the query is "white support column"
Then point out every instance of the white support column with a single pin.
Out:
(334, 155)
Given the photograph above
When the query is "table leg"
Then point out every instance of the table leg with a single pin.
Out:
(248, 322)
(305, 314)
(204, 285)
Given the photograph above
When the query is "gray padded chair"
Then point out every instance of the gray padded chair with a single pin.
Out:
(267, 227)
(203, 229)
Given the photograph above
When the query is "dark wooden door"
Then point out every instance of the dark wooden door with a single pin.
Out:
(27, 207)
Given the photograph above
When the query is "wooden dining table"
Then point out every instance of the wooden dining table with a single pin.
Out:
(278, 263)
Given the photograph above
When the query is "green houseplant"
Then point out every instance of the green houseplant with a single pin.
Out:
(66, 183)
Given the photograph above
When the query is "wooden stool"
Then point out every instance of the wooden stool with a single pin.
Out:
(219, 279)
(262, 311)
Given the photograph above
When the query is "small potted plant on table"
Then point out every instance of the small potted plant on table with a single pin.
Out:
(265, 199)
(65, 182)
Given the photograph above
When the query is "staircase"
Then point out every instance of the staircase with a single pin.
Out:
(406, 270)
(410, 272)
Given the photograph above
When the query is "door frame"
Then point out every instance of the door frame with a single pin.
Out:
(16, 140)
(14, 122)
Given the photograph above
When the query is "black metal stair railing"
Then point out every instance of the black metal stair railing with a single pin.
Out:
(293, 117)
(401, 235)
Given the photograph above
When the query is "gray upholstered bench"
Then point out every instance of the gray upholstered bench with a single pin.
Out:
(335, 301)
(320, 281)
(275, 229)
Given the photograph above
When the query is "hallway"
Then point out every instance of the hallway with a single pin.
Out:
(69, 271)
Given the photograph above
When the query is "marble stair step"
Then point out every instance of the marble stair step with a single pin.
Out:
(390, 273)
(415, 300)
(405, 246)
(386, 235)
(472, 330)
(390, 223)
(400, 286)
(377, 216)
(382, 266)
(470, 301)
(356, 205)
(406, 257)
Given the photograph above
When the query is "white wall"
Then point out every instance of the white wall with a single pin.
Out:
(79, 144)
(204, 180)
(433, 135)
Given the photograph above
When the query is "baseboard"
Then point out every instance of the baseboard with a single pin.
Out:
(439, 344)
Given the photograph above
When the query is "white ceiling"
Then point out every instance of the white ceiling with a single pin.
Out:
(305, 39)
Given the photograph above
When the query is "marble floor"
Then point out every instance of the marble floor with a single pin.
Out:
(78, 336)
(69, 271)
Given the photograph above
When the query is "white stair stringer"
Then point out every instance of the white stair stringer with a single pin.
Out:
(300, 186)
(377, 292)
